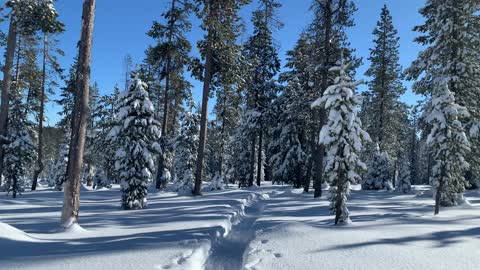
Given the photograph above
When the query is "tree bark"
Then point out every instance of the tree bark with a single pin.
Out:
(252, 161)
(79, 118)
(306, 184)
(161, 182)
(320, 149)
(7, 82)
(259, 160)
(39, 167)
(197, 190)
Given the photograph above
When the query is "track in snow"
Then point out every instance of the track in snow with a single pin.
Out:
(227, 254)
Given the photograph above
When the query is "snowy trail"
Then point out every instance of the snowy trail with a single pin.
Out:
(227, 253)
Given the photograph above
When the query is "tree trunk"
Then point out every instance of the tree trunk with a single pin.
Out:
(306, 184)
(252, 161)
(339, 198)
(259, 160)
(7, 82)
(79, 118)
(438, 196)
(161, 181)
(39, 168)
(197, 190)
(320, 149)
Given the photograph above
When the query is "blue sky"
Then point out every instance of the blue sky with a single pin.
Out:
(121, 25)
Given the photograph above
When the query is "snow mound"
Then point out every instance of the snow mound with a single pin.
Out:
(12, 233)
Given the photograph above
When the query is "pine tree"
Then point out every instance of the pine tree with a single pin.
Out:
(50, 69)
(170, 56)
(299, 62)
(100, 179)
(27, 18)
(414, 145)
(343, 137)
(378, 176)
(404, 185)
(228, 111)
(19, 151)
(58, 173)
(66, 97)
(449, 146)
(238, 160)
(137, 132)
(103, 147)
(329, 40)
(385, 86)
(222, 25)
(451, 37)
(288, 145)
(264, 66)
(186, 147)
(92, 156)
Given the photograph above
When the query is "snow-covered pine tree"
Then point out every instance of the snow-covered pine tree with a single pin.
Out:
(403, 184)
(378, 176)
(299, 62)
(217, 183)
(58, 173)
(449, 146)
(238, 160)
(19, 151)
(451, 38)
(137, 133)
(100, 179)
(288, 146)
(343, 137)
(186, 147)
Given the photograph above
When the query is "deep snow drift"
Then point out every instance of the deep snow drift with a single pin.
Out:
(273, 227)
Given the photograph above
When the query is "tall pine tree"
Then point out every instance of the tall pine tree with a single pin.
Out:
(451, 37)
(385, 85)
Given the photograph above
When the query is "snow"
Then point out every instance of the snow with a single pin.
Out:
(174, 232)
(262, 228)
(389, 231)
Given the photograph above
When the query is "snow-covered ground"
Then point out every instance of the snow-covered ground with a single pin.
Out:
(273, 227)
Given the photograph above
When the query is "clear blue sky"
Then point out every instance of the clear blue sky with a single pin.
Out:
(120, 29)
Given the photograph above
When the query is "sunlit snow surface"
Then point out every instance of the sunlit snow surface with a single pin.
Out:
(240, 229)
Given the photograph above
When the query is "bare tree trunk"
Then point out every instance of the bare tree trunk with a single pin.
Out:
(252, 160)
(320, 149)
(7, 82)
(197, 190)
(39, 168)
(306, 184)
(79, 119)
(259, 160)
(161, 182)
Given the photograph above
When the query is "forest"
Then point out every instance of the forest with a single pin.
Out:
(221, 153)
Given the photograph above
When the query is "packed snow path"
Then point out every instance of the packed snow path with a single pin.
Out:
(227, 253)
